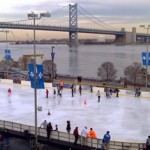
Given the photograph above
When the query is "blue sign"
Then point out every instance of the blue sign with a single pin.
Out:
(52, 55)
(7, 54)
(144, 60)
(39, 77)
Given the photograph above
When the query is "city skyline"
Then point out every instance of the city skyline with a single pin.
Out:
(119, 14)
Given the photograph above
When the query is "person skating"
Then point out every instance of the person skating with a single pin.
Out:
(91, 88)
(54, 92)
(72, 90)
(9, 92)
(47, 92)
(80, 89)
(117, 92)
(108, 93)
(61, 84)
(99, 96)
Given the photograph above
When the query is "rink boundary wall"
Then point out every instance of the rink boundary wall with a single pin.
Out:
(62, 136)
(85, 88)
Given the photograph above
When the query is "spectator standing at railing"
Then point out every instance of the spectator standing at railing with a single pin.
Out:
(148, 143)
(68, 128)
(44, 124)
(49, 129)
(76, 135)
(6, 137)
(106, 140)
(56, 127)
(1, 140)
(92, 133)
(84, 136)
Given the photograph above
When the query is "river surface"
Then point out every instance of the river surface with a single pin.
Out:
(83, 60)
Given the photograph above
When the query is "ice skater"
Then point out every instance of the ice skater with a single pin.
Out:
(72, 90)
(60, 92)
(108, 93)
(91, 88)
(117, 92)
(54, 92)
(99, 96)
(47, 92)
(9, 92)
(80, 89)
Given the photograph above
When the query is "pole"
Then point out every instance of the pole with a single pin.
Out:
(34, 17)
(147, 59)
(35, 86)
(52, 62)
(6, 49)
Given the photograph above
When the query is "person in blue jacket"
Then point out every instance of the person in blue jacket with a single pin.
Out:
(106, 140)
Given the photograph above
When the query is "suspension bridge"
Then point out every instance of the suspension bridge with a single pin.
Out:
(75, 19)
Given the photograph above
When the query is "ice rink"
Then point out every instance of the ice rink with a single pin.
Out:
(126, 117)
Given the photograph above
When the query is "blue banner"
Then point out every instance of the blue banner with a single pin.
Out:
(31, 74)
(52, 55)
(144, 60)
(7, 54)
(40, 77)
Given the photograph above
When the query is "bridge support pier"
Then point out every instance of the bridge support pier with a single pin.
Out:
(73, 23)
(127, 38)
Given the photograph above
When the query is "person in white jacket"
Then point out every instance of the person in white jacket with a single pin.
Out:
(84, 136)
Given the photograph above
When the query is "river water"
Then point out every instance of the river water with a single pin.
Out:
(83, 60)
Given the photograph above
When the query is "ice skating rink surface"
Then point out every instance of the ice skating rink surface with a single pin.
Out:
(126, 117)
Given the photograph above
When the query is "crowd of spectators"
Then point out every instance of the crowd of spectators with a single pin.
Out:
(84, 135)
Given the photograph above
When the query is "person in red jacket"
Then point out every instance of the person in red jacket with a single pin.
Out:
(47, 92)
(76, 135)
(9, 92)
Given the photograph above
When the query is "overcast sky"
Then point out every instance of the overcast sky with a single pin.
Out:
(128, 13)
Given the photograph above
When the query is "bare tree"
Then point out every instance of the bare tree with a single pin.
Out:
(7, 64)
(107, 71)
(49, 68)
(135, 73)
(23, 63)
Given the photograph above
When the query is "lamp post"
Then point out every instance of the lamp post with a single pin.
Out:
(52, 56)
(147, 28)
(6, 31)
(33, 16)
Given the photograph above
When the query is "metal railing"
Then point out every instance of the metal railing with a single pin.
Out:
(62, 136)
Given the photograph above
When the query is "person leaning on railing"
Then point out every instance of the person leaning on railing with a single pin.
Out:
(106, 140)
(148, 143)
(84, 136)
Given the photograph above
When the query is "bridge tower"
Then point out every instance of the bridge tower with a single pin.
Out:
(73, 24)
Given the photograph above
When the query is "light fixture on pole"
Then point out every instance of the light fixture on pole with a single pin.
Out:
(53, 56)
(146, 75)
(33, 16)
